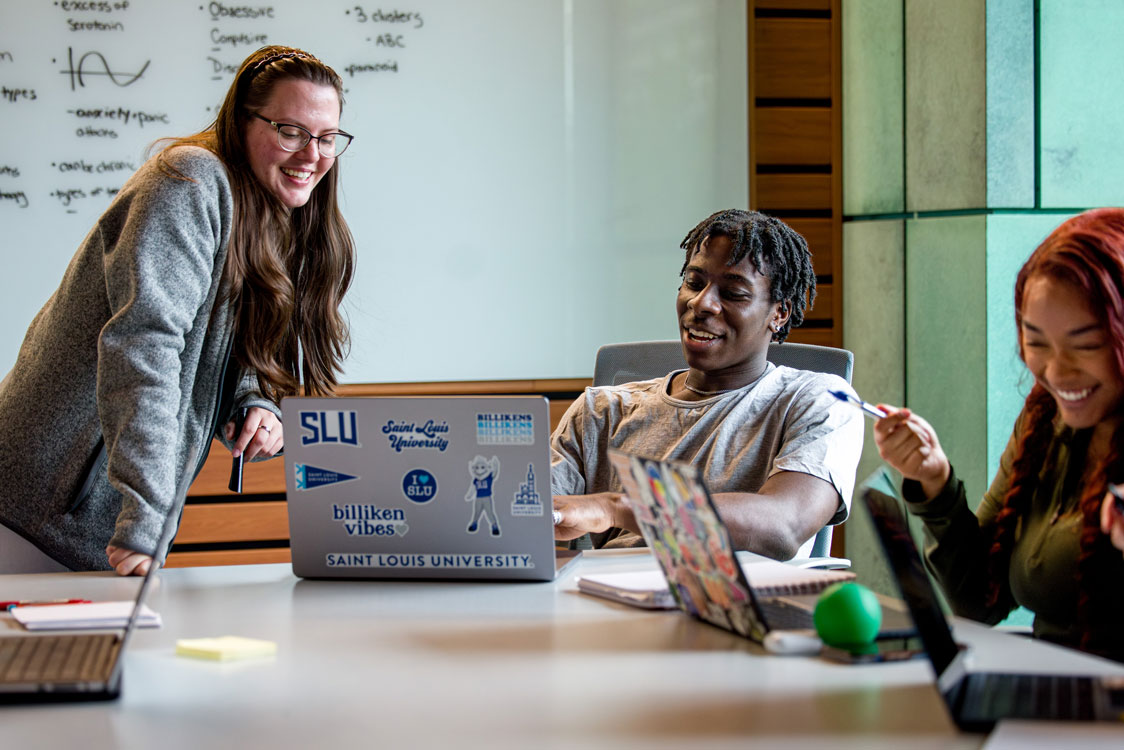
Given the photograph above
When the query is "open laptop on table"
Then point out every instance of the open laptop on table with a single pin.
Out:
(976, 700)
(680, 523)
(46, 667)
(421, 487)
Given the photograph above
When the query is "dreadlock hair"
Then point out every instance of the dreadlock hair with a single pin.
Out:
(1086, 252)
(287, 270)
(776, 250)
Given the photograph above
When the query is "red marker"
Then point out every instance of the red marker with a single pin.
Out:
(42, 603)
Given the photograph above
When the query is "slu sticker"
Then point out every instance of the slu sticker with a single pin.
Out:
(419, 486)
(527, 500)
(329, 427)
(311, 477)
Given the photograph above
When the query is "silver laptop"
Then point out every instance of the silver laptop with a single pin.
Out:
(420, 487)
(49, 667)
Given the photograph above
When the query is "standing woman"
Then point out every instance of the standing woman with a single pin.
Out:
(211, 284)
(1036, 539)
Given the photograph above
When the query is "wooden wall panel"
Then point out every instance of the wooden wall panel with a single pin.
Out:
(795, 154)
(818, 233)
(229, 557)
(793, 58)
(233, 522)
(792, 135)
(793, 192)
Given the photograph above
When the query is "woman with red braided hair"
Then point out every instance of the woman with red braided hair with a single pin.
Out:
(1037, 539)
(209, 289)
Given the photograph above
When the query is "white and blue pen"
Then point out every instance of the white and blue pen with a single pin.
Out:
(870, 410)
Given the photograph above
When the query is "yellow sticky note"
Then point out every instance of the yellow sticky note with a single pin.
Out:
(225, 648)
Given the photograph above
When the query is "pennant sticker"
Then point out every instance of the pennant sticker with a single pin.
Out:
(311, 477)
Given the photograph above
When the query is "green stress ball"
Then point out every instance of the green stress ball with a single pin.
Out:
(847, 615)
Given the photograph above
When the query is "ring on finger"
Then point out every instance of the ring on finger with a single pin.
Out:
(265, 427)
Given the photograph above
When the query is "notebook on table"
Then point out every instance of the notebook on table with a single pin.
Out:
(768, 579)
(680, 523)
(47, 667)
(977, 700)
(446, 487)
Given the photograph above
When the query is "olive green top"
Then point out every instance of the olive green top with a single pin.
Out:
(1043, 566)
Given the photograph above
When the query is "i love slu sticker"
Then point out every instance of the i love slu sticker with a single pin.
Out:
(419, 486)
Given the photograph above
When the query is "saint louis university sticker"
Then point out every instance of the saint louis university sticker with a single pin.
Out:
(527, 500)
(311, 477)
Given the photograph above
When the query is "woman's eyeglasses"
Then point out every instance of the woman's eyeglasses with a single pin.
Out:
(294, 138)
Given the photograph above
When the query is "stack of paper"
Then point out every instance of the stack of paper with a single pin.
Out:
(88, 616)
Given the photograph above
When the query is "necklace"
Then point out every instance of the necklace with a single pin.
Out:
(701, 392)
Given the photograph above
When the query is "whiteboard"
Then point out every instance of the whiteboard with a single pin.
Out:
(523, 171)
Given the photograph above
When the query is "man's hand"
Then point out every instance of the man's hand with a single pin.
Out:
(582, 514)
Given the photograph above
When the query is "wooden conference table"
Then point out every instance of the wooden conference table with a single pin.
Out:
(467, 665)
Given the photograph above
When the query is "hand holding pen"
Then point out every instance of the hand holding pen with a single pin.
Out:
(907, 443)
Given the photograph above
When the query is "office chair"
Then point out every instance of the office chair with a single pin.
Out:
(644, 360)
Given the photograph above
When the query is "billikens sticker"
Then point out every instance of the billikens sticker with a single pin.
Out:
(484, 473)
(505, 429)
(419, 486)
(329, 428)
(311, 477)
(527, 500)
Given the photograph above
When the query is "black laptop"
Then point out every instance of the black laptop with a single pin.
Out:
(45, 667)
(976, 700)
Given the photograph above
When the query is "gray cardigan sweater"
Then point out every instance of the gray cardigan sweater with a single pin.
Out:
(130, 348)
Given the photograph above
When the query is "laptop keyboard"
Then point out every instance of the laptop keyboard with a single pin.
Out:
(62, 658)
(994, 695)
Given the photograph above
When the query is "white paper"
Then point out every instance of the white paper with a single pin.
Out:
(95, 615)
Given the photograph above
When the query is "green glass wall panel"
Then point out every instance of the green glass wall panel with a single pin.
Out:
(946, 344)
(946, 105)
(872, 108)
(1081, 66)
(1010, 240)
(874, 330)
(1010, 103)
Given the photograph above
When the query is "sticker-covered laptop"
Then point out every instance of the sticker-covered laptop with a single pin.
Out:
(441, 487)
(677, 516)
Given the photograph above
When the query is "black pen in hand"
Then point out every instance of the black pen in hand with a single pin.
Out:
(236, 462)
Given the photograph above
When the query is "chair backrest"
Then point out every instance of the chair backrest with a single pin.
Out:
(644, 360)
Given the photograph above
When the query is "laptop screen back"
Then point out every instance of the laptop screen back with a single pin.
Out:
(677, 517)
(916, 589)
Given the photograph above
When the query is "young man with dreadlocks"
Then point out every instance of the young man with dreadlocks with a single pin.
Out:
(777, 450)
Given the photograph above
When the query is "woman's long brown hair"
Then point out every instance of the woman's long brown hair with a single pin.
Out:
(1087, 252)
(286, 270)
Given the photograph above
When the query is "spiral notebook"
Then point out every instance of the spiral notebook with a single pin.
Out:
(648, 588)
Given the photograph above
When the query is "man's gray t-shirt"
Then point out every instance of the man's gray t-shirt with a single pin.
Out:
(784, 421)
